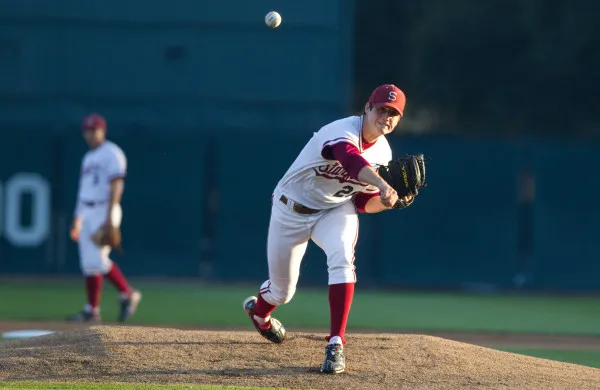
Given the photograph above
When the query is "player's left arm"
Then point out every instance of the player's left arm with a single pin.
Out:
(116, 193)
(116, 175)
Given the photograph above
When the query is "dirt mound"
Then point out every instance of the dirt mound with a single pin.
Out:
(381, 361)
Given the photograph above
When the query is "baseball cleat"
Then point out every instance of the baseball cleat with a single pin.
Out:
(84, 316)
(274, 333)
(335, 362)
(129, 305)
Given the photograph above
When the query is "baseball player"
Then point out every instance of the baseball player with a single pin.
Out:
(334, 177)
(98, 208)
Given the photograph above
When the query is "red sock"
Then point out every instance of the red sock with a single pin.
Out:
(263, 309)
(93, 286)
(340, 301)
(116, 277)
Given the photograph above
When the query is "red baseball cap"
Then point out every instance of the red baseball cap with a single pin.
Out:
(390, 96)
(93, 121)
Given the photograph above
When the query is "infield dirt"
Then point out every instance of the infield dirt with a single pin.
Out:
(374, 361)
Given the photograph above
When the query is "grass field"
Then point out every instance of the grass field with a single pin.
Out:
(202, 305)
(585, 358)
(220, 306)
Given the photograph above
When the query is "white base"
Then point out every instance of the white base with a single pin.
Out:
(26, 333)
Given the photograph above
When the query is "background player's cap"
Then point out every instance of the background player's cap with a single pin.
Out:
(93, 121)
(388, 95)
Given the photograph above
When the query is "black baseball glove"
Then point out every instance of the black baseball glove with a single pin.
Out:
(406, 175)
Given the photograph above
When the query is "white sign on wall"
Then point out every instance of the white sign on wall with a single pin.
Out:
(12, 191)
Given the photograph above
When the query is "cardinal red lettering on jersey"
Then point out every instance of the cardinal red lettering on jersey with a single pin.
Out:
(321, 183)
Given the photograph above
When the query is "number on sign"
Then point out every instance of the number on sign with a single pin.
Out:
(11, 202)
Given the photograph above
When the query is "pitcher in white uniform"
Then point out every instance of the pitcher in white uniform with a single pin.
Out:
(101, 185)
(333, 179)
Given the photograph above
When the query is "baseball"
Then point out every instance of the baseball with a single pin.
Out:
(273, 19)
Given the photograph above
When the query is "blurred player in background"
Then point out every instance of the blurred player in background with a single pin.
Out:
(101, 185)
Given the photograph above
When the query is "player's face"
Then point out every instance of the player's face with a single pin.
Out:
(382, 119)
(93, 136)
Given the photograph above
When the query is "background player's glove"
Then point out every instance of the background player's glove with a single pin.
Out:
(406, 175)
(108, 235)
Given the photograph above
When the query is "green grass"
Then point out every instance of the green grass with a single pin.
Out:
(585, 358)
(116, 386)
(202, 305)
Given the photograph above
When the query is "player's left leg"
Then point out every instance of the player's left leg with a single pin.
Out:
(336, 233)
(129, 298)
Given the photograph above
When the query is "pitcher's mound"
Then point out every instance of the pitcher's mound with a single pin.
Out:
(383, 361)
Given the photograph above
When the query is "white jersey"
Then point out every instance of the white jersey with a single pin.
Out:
(98, 168)
(318, 183)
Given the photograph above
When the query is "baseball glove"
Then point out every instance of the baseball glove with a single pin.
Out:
(406, 175)
(108, 235)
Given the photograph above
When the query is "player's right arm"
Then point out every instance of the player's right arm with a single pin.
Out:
(387, 194)
(76, 224)
(371, 203)
(349, 156)
(75, 229)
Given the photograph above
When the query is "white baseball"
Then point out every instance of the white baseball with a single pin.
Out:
(273, 19)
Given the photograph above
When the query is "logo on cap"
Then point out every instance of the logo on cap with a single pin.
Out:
(392, 96)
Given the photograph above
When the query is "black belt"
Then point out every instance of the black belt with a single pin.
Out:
(92, 204)
(300, 209)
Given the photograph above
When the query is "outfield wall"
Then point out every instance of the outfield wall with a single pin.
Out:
(197, 206)
(145, 65)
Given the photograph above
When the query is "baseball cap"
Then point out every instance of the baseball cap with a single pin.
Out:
(390, 96)
(93, 121)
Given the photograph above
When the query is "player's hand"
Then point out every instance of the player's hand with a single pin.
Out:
(75, 229)
(388, 196)
(408, 198)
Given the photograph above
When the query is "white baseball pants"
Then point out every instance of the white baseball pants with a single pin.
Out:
(335, 231)
(94, 260)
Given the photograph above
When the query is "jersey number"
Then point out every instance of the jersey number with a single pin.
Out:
(95, 179)
(345, 191)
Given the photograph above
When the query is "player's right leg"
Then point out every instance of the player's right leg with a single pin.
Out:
(286, 244)
(91, 267)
